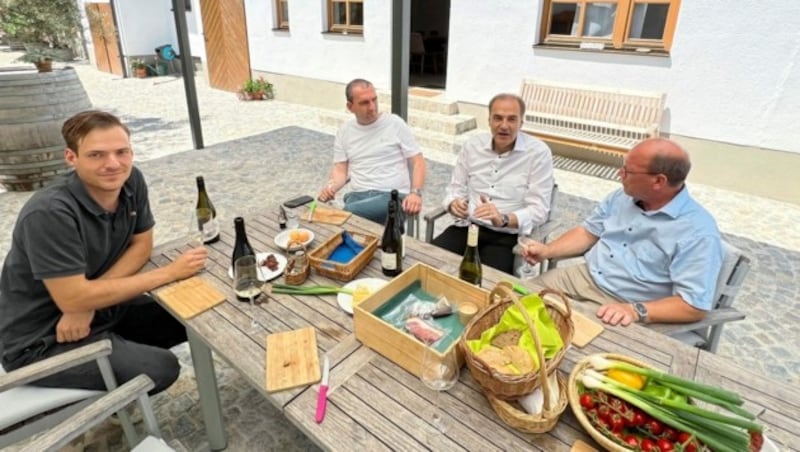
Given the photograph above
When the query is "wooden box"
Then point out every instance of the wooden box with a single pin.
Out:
(398, 345)
(336, 270)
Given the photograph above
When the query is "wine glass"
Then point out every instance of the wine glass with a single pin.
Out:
(527, 233)
(247, 284)
(439, 372)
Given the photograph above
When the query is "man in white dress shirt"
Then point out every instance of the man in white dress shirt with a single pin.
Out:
(502, 182)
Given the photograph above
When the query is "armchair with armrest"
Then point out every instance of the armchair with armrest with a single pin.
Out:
(706, 333)
(547, 227)
(30, 409)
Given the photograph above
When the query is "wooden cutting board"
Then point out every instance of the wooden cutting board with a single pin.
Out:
(292, 359)
(580, 446)
(586, 329)
(323, 214)
(190, 297)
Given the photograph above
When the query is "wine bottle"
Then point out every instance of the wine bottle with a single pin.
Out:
(398, 218)
(470, 269)
(210, 228)
(242, 246)
(391, 245)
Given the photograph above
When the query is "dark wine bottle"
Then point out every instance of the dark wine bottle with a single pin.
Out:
(470, 269)
(398, 219)
(242, 246)
(391, 245)
(211, 227)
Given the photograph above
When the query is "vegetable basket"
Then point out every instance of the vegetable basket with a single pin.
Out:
(509, 387)
(533, 423)
(337, 270)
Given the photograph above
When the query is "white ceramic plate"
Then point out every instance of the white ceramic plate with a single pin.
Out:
(768, 445)
(282, 239)
(346, 300)
(265, 274)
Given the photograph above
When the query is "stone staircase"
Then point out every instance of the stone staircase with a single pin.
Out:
(435, 120)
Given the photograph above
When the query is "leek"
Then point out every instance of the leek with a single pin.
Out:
(309, 290)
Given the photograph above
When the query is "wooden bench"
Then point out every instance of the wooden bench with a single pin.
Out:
(599, 119)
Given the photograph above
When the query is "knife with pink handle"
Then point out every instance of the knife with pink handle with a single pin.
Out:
(322, 397)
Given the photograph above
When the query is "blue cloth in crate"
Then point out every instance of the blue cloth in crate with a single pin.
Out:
(346, 250)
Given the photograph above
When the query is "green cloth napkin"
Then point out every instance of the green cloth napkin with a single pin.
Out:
(512, 319)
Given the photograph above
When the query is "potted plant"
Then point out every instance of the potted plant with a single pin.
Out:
(139, 67)
(41, 57)
(256, 89)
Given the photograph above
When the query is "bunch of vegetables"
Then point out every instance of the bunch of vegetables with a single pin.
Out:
(647, 410)
(309, 290)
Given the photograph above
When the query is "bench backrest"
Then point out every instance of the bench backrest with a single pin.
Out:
(625, 108)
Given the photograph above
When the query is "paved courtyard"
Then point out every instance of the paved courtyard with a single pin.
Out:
(259, 153)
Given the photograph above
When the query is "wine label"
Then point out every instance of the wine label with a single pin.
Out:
(389, 260)
(210, 230)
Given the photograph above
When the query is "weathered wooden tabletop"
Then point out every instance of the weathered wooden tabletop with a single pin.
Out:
(375, 404)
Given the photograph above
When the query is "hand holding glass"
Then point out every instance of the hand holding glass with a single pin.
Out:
(198, 228)
(247, 284)
(439, 372)
(527, 234)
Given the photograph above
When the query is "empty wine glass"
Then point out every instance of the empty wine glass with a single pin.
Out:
(247, 284)
(439, 372)
(527, 233)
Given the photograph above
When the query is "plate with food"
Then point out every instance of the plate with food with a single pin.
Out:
(270, 266)
(362, 288)
(302, 235)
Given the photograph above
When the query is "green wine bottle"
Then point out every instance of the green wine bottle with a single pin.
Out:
(470, 269)
(211, 228)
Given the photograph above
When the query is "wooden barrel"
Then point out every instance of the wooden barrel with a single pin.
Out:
(33, 107)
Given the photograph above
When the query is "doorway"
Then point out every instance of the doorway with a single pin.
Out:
(430, 26)
(227, 54)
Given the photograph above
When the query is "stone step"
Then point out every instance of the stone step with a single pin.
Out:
(418, 120)
(437, 141)
(427, 100)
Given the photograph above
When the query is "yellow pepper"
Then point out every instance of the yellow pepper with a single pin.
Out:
(629, 379)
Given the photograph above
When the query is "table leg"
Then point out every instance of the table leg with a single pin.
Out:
(208, 390)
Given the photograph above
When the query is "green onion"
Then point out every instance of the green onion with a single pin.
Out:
(699, 395)
(309, 290)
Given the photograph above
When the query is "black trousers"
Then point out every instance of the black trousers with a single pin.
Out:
(496, 249)
(141, 333)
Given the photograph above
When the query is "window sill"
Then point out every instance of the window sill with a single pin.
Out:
(285, 29)
(648, 52)
(352, 34)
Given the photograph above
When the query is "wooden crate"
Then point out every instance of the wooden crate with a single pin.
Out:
(397, 345)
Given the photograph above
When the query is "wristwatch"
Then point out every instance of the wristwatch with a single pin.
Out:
(641, 310)
(417, 191)
(505, 220)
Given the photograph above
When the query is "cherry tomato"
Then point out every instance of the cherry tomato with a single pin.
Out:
(604, 412)
(587, 401)
(655, 427)
(691, 447)
(637, 419)
(665, 445)
(617, 423)
(631, 441)
(647, 445)
(670, 433)
(683, 437)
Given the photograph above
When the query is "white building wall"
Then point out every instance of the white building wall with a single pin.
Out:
(731, 76)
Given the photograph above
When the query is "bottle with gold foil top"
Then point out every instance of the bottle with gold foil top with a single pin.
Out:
(471, 270)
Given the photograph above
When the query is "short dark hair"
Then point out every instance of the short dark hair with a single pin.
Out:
(505, 96)
(78, 126)
(675, 167)
(348, 91)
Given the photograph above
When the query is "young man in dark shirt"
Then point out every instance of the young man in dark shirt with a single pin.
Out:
(72, 275)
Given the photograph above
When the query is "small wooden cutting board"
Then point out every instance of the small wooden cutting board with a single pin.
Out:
(580, 446)
(323, 214)
(586, 329)
(292, 359)
(190, 297)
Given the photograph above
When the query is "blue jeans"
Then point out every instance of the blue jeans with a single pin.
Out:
(371, 204)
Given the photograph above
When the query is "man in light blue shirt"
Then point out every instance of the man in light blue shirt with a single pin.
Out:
(653, 254)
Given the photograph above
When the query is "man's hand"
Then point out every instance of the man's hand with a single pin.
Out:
(327, 193)
(74, 326)
(534, 252)
(487, 211)
(188, 263)
(412, 204)
(617, 314)
(459, 208)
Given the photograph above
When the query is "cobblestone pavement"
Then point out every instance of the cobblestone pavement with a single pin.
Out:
(254, 160)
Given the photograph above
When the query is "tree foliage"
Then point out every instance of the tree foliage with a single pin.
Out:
(55, 23)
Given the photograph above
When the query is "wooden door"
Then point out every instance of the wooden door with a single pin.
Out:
(227, 55)
(104, 37)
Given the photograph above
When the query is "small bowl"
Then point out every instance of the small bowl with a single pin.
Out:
(466, 311)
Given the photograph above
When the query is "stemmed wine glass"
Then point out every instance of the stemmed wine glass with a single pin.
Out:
(201, 217)
(527, 233)
(247, 284)
(439, 372)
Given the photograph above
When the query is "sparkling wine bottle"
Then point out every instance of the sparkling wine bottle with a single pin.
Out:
(391, 245)
(470, 269)
(398, 219)
(211, 227)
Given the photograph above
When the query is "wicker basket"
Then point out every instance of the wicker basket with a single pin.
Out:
(337, 270)
(533, 423)
(574, 399)
(500, 385)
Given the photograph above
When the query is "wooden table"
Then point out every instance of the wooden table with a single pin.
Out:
(377, 405)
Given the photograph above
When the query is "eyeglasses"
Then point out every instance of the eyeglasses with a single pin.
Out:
(623, 171)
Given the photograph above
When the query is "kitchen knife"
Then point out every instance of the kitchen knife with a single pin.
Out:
(311, 210)
(322, 397)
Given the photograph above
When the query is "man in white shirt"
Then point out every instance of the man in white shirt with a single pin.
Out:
(502, 182)
(373, 151)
